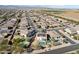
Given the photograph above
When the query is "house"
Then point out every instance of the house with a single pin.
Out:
(54, 34)
(56, 37)
(4, 31)
(70, 30)
(73, 28)
(77, 28)
(42, 38)
(1, 38)
(23, 33)
(77, 32)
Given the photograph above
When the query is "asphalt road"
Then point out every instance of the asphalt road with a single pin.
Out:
(62, 50)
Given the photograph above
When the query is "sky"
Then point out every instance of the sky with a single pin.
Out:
(39, 2)
(56, 3)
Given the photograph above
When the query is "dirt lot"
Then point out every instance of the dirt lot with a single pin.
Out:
(74, 15)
